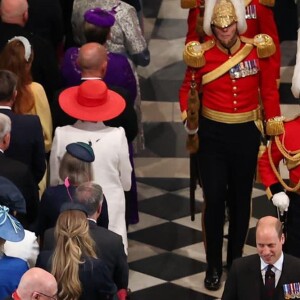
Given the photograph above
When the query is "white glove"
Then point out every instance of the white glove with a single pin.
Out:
(282, 201)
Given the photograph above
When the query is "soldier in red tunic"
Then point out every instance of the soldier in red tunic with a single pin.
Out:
(286, 147)
(234, 73)
(259, 17)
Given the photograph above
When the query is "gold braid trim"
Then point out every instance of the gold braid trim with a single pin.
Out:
(292, 157)
(188, 3)
(286, 155)
(226, 66)
(192, 143)
(269, 3)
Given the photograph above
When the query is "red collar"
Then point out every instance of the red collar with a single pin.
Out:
(15, 296)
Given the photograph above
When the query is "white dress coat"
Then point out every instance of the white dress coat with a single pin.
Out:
(111, 168)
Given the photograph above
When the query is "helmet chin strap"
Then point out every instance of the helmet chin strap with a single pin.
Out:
(226, 46)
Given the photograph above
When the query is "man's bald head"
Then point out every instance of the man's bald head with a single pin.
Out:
(14, 11)
(92, 60)
(269, 239)
(269, 222)
(35, 281)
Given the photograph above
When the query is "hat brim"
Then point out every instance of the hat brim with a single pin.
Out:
(11, 234)
(113, 107)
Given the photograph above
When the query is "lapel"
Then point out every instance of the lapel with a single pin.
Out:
(6, 111)
(284, 278)
(254, 284)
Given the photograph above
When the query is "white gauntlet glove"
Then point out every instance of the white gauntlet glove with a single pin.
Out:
(282, 201)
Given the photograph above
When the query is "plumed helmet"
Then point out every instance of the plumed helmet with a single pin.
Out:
(223, 13)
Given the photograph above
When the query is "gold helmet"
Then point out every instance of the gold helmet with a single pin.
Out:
(223, 13)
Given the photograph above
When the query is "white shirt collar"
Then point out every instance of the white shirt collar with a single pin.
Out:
(92, 220)
(278, 264)
(91, 78)
(5, 107)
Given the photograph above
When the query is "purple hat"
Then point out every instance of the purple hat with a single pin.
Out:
(99, 17)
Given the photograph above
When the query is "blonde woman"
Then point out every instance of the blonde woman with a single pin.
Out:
(75, 168)
(74, 264)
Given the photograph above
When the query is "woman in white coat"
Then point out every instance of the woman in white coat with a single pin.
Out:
(91, 103)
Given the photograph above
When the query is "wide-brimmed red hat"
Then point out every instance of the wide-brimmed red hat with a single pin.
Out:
(91, 101)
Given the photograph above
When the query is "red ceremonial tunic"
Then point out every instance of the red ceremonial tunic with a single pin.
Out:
(260, 22)
(234, 95)
(291, 143)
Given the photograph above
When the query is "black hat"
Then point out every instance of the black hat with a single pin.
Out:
(82, 151)
(73, 206)
(11, 196)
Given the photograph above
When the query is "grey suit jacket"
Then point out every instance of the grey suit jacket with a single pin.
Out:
(109, 248)
(245, 282)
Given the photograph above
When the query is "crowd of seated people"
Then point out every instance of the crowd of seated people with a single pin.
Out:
(47, 168)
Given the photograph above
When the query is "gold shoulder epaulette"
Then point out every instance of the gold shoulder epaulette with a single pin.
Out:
(265, 45)
(188, 3)
(269, 3)
(275, 126)
(193, 54)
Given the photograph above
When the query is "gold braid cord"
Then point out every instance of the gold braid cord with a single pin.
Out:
(192, 143)
(286, 154)
(188, 3)
(200, 19)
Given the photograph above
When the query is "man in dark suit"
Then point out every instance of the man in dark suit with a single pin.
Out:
(46, 20)
(26, 141)
(92, 60)
(14, 16)
(270, 274)
(19, 174)
(109, 246)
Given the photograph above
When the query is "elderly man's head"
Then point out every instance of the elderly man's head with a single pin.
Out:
(36, 283)
(91, 196)
(5, 128)
(14, 11)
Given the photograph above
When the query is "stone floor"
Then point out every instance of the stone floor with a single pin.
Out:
(166, 251)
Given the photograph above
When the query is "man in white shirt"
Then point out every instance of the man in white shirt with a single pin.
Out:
(252, 277)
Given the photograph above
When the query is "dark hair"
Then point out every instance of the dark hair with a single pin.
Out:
(95, 33)
(8, 84)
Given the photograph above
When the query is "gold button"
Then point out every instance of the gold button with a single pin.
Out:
(234, 88)
(234, 95)
(235, 109)
(233, 80)
(234, 102)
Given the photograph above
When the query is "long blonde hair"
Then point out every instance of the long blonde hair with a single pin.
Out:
(12, 58)
(74, 244)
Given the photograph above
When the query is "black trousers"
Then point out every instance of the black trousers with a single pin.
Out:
(292, 244)
(227, 158)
